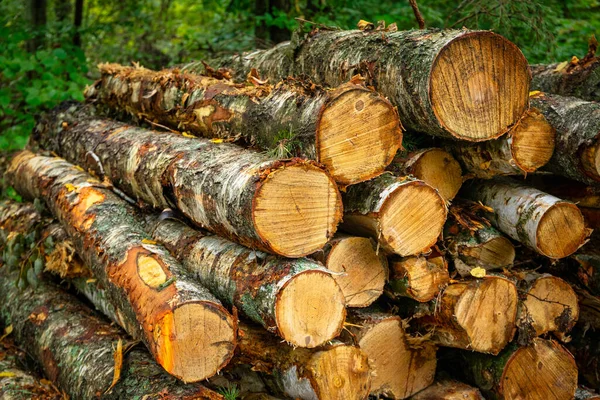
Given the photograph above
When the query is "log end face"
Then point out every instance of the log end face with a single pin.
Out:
(542, 370)
(496, 253)
(561, 231)
(358, 135)
(590, 160)
(479, 86)
(361, 273)
(440, 170)
(310, 309)
(412, 218)
(195, 340)
(533, 141)
(297, 209)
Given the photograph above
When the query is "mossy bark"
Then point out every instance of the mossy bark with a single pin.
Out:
(111, 241)
(581, 81)
(420, 278)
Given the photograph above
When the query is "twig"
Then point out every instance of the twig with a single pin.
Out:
(418, 16)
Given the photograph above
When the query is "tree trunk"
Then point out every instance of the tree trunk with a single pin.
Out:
(448, 390)
(434, 166)
(542, 370)
(547, 224)
(351, 130)
(403, 214)
(38, 19)
(528, 146)
(335, 371)
(360, 272)
(261, 7)
(420, 278)
(289, 207)
(78, 22)
(577, 125)
(470, 85)
(585, 347)
(580, 80)
(156, 301)
(62, 10)
(297, 299)
(401, 365)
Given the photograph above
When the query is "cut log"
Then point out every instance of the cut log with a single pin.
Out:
(287, 207)
(585, 347)
(351, 130)
(470, 85)
(580, 78)
(401, 365)
(434, 166)
(528, 146)
(298, 299)
(336, 371)
(360, 272)
(549, 304)
(403, 214)
(547, 224)
(577, 125)
(420, 278)
(541, 371)
(477, 315)
(156, 300)
(448, 390)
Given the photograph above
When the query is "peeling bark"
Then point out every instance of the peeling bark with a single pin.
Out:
(155, 299)
(289, 207)
(581, 81)
(448, 390)
(351, 130)
(423, 72)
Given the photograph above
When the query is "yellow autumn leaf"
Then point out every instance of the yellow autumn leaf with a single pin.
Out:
(534, 93)
(185, 134)
(69, 187)
(7, 374)
(217, 141)
(485, 165)
(118, 357)
(478, 272)
(365, 25)
(148, 241)
(90, 281)
(77, 167)
(561, 66)
(7, 331)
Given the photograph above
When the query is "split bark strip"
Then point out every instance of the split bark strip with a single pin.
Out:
(542, 370)
(360, 272)
(547, 224)
(401, 365)
(577, 125)
(434, 166)
(528, 146)
(297, 299)
(420, 278)
(405, 215)
(289, 207)
(448, 390)
(469, 85)
(353, 131)
(156, 301)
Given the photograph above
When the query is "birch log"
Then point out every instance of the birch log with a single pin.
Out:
(470, 85)
(156, 301)
(420, 278)
(353, 131)
(289, 207)
(403, 214)
(547, 224)
(298, 299)
(448, 390)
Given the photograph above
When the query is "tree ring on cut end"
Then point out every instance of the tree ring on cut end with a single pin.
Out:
(297, 209)
(561, 230)
(533, 141)
(438, 168)
(479, 86)
(310, 309)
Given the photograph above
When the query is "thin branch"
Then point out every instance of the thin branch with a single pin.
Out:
(418, 16)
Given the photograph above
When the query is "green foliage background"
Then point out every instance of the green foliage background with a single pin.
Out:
(158, 33)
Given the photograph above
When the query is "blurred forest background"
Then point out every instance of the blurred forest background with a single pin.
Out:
(50, 48)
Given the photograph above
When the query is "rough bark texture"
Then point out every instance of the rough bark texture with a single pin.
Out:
(258, 283)
(228, 190)
(404, 214)
(291, 119)
(577, 125)
(409, 68)
(568, 79)
(448, 390)
(584, 393)
(420, 278)
(547, 224)
(402, 365)
(151, 292)
(358, 269)
(336, 371)
(542, 370)
(529, 145)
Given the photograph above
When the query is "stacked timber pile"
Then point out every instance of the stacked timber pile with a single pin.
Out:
(258, 228)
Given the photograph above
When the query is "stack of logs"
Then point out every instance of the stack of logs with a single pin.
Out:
(262, 217)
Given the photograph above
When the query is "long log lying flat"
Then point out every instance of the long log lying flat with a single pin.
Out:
(296, 298)
(290, 208)
(155, 299)
(351, 130)
(470, 85)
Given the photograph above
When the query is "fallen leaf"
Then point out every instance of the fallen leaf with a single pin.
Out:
(561, 66)
(217, 141)
(365, 25)
(7, 374)
(534, 93)
(7, 331)
(69, 187)
(148, 241)
(90, 281)
(118, 357)
(45, 382)
(186, 134)
(478, 272)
